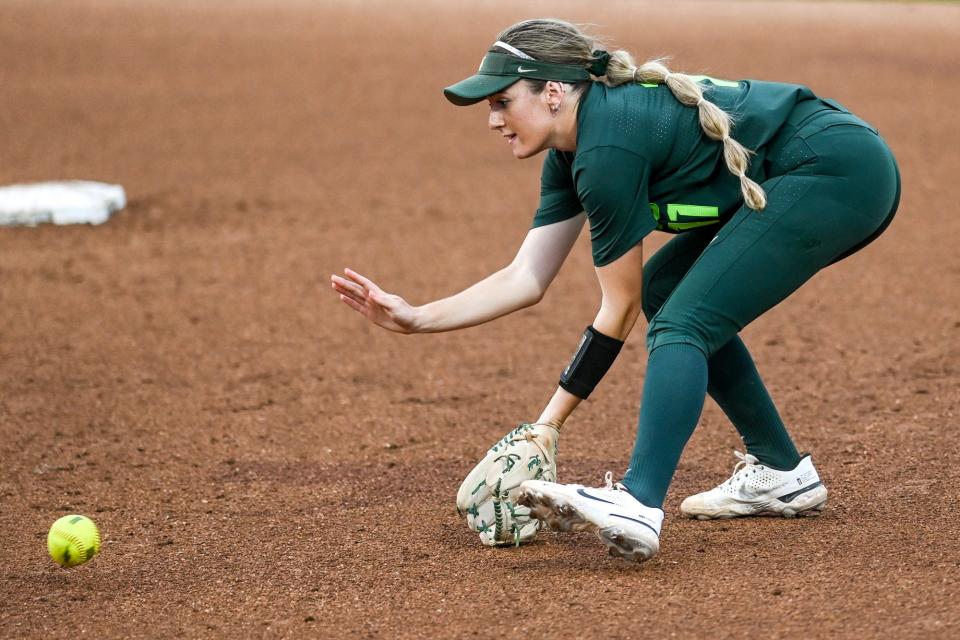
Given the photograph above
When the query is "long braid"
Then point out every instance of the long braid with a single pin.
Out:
(715, 122)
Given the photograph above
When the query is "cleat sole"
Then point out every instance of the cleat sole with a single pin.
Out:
(631, 549)
(555, 514)
(559, 515)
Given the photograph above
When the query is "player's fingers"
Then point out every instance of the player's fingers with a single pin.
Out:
(346, 292)
(366, 283)
(343, 283)
(353, 304)
(346, 286)
(359, 299)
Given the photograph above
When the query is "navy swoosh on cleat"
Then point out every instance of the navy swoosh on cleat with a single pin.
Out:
(617, 515)
(790, 496)
(587, 495)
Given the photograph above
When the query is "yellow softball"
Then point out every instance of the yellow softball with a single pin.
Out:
(73, 540)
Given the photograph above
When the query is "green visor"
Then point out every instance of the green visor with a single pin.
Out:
(499, 70)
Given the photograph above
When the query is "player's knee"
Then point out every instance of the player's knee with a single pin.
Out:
(666, 330)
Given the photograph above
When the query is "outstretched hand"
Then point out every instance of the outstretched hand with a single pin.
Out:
(366, 298)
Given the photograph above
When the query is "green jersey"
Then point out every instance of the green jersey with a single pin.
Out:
(643, 161)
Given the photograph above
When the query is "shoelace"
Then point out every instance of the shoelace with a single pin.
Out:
(743, 468)
(610, 485)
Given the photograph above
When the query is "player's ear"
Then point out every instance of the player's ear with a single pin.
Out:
(553, 94)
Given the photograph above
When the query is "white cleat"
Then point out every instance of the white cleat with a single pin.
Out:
(757, 489)
(630, 529)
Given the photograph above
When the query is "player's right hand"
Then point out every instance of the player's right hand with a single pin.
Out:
(379, 307)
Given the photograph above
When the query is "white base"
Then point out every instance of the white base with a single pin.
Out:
(69, 202)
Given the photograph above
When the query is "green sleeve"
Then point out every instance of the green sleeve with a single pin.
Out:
(558, 196)
(613, 185)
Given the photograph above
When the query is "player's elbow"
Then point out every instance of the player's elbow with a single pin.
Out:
(532, 294)
(536, 297)
(528, 287)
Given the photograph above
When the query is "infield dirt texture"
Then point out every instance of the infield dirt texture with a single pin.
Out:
(262, 463)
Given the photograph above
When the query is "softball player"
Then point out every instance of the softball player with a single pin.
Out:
(763, 183)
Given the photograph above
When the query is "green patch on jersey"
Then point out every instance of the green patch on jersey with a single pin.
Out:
(681, 217)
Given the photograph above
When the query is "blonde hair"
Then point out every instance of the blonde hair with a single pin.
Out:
(561, 42)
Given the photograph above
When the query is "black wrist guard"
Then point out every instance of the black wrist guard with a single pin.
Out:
(589, 364)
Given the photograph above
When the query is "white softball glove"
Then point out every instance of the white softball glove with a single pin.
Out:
(488, 494)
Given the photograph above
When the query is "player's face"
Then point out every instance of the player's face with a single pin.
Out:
(523, 118)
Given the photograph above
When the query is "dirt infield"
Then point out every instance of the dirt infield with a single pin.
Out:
(263, 464)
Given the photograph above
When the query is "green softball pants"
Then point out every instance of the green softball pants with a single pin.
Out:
(832, 187)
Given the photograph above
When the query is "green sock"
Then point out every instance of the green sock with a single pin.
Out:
(735, 385)
(673, 395)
